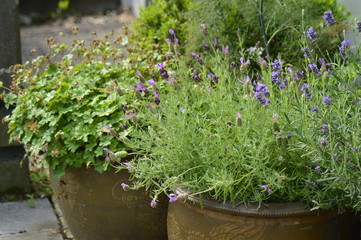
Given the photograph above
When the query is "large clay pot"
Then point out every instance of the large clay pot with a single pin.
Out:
(284, 221)
(96, 207)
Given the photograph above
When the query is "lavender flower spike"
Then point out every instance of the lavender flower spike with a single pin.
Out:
(172, 39)
(358, 26)
(125, 186)
(311, 34)
(330, 19)
(327, 100)
(199, 59)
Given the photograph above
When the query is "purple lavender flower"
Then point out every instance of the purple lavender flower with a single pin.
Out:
(305, 89)
(318, 169)
(261, 92)
(246, 80)
(225, 50)
(358, 26)
(156, 98)
(124, 126)
(344, 45)
(213, 77)
(172, 39)
(163, 72)
(309, 183)
(199, 59)
(239, 119)
(314, 69)
(196, 77)
(276, 64)
(306, 51)
(232, 65)
(173, 197)
(311, 34)
(299, 75)
(330, 19)
(108, 151)
(323, 142)
(204, 29)
(215, 42)
(314, 109)
(267, 188)
(244, 63)
(206, 47)
(151, 82)
(125, 107)
(153, 204)
(124, 186)
(127, 164)
(327, 100)
(324, 128)
(130, 115)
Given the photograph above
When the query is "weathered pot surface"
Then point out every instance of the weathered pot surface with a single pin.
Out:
(278, 221)
(96, 207)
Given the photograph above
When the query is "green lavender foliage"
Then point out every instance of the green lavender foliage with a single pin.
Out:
(218, 140)
(232, 20)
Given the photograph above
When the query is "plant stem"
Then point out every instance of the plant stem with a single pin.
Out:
(261, 23)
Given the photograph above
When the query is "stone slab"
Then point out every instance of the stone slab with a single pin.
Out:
(20, 221)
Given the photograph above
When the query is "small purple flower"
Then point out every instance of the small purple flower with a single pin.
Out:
(327, 100)
(238, 115)
(299, 75)
(124, 186)
(314, 109)
(314, 69)
(173, 197)
(213, 77)
(305, 89)
(324, 65)
(306, 51)
(182, 110)
(225, 50)
(323, 142)
(345, 44)
(125, 107)
(324, 128)
(151, 82)
(206, 47)
(127, 164)
(232, 65)
(261, 60)
(358, 26)
(330, 19)
(156, 98)
(140, 87)
(108, 151)
(196, 77)
(276, 64)
(244, 63)
(172, 39)
(199, 59)
(153, 204)
(309, 183)
(239, 119)
(318, 169)
(124, 126)
(163, 72)
(261, 92)
(246, 80)
(204, 28)
(311, 34)
(130, 115)
(267, 188)
(215, 42)
(355, 149)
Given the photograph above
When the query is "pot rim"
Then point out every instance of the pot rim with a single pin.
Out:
(254, 209)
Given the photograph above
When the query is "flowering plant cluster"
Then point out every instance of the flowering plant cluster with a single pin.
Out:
(71, 103)
(256, 130)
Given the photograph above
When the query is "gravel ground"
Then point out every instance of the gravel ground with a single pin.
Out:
(34, 36)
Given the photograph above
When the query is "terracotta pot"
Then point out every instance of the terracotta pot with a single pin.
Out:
(96, 207)
(283, 221)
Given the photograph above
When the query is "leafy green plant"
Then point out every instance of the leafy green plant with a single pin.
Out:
(233, 132)
(69, 103)
(273, 25)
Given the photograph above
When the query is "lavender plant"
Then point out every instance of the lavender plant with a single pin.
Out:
(230, 132)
